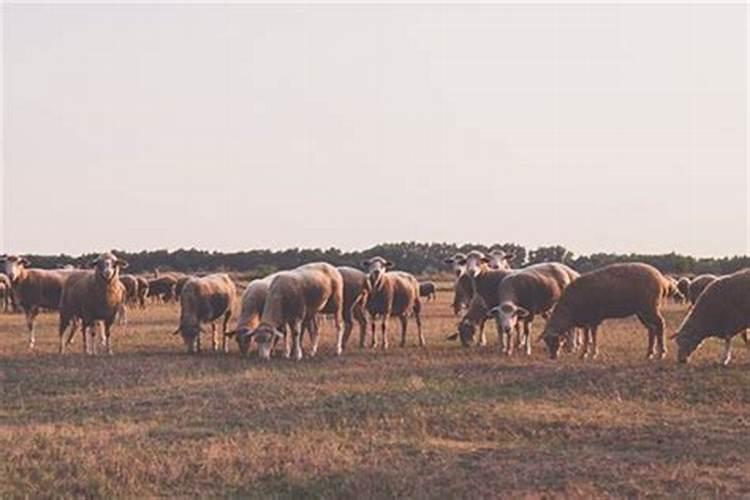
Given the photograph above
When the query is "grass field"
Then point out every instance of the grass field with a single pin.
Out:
(438, 422)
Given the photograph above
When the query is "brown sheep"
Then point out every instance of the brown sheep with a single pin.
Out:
(697, 285)
(683, 285)
(528, 292)
(462, 287)
(6, 292)
(34, 289)
(486, 284)
(722, 310)
(428, 290)
(92, 296)
(294, 299)
(205, 300)
(179, 285)
(162, 288)
(251, 308)
(392, 293)
(142, 291)
(131, 288)
(356, 291)
(613, 291)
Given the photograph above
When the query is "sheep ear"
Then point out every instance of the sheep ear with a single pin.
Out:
(24, 262)
(452, 337)
(461, 262)
(388, 264)
(522, 313)
(93, 263)
(492, 312)
(449, 261)
(365, 263)
(123, 264)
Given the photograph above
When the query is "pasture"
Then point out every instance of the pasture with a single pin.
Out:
(437, 422)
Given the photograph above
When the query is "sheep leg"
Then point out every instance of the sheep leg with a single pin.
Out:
(338, 324)
(224, 325)
(92, 340)
(360, 317)
(586, 342)
(527, 337)
(384, 330)
(482, 335)
(64, 322)
(374, 340)
(313, 327)
(107, 340)
(594, 345)
(404, 320)
(297, 339)
(214, 338)
(198, 342)
(418, 318)
(31, 315)
(726, 355)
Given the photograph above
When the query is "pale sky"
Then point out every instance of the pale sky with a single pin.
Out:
(601, 128)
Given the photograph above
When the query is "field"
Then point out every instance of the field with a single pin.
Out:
(438, 422)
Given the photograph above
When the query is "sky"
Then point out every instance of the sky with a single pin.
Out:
(229, 127)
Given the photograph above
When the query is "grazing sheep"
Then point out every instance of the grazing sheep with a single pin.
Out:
(525, 293)
(6, 292)
(251, 308)
(356, 291)
(722, 310)
(462, 287)
(428, 290)
(162, 288)
(614, 291)
(294, 299)
(142, 291)
(683, 285)
(131, 287)
(673, 290)
(698, 284)
(204, 300)
(34, 289)
(486, 284)
(92, 296)
(392, 293)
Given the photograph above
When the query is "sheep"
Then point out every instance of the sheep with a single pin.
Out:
(462, 290)
(683, 285)
(6, 291)
(142, 291)
(392, 293)
(162, 288)
(698, 284)
(204, 300)
(356, 292)
(294, 298)
(179, 285)
(91, 296)
(722, 310)
(613, 291)
(499, 259)
(131, 287)
(428, 290)
(528, 292)
(251, 308)
(486, 286)
(34, 289)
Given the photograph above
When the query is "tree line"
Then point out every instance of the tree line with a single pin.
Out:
(417, 258)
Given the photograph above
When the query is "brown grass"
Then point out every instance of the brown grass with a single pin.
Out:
(441, 422)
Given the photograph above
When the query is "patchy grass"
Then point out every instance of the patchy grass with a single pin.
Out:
(441, 422)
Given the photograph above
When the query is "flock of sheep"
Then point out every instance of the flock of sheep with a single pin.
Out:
(285, 305)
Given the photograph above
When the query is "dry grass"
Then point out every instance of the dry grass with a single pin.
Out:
(442, 422)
